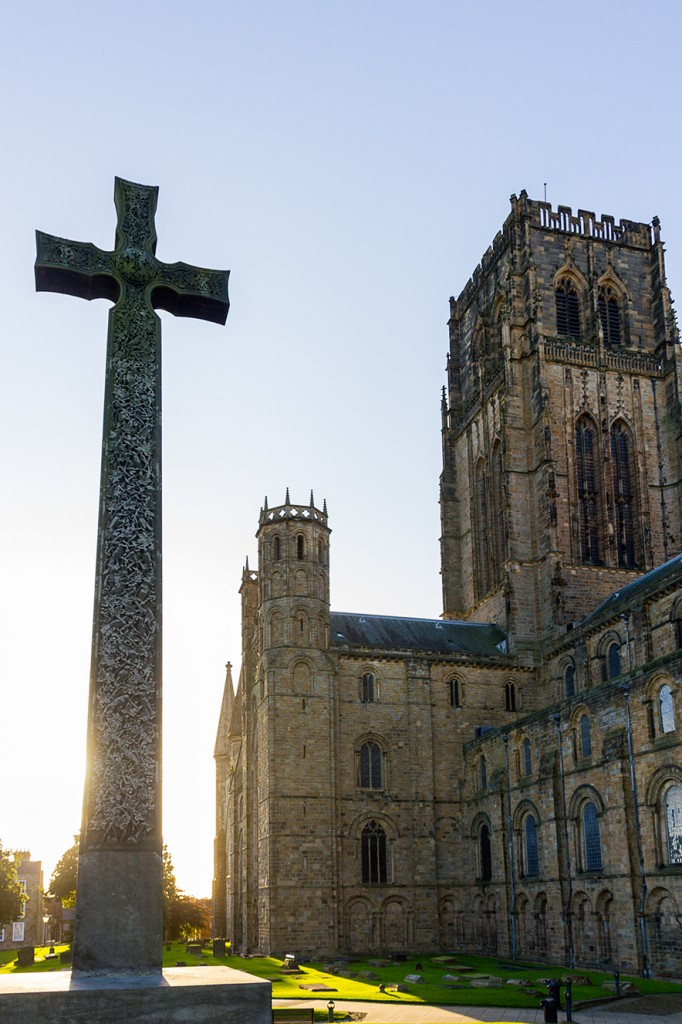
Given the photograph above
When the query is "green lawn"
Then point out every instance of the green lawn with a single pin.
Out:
(433, 990)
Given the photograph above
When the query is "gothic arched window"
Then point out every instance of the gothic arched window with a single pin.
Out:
(625, 496)
(485, 860)
(527, 759)
(587, 475)
(591, 838)
(370, 768)
(509, 697)
(609, 315)
(374, 860)
(673, 822)
(482, 543)
(567, 310)
(498, 511)
(530, 844)
(367, 693)
(483, 772)
(666, 709)
(585, 736)
(455, 693)
(569, 681)
(613, 668)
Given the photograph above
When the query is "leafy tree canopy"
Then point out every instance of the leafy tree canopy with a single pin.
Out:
(11, 894)
(190, 917)
(63, 882)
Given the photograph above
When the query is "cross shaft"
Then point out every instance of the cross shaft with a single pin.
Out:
(119, 908)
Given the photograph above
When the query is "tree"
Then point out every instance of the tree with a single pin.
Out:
(64, 876)
(11, 893)
(170, 890)
(190, 917)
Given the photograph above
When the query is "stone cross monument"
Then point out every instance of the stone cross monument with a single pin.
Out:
(119, 912)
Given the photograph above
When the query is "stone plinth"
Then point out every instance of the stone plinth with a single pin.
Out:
(191, 995)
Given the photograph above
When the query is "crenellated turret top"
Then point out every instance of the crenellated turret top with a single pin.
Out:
(290, 511)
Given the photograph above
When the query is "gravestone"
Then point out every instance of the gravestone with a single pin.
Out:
(119, 911)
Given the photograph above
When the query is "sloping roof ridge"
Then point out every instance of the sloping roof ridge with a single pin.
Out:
(620, 597)
(416, 618)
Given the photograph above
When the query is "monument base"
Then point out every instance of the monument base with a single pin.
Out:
(191, 995)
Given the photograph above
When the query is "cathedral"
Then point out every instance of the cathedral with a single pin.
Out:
(506, 778)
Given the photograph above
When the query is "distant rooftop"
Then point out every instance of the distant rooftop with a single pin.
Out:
(437, 636)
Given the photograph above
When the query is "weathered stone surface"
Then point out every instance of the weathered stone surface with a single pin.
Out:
(118, 925)
(209, 995)
(414, 979)
(318, 988)
(368, 976)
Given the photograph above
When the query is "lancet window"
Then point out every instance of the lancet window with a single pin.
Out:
(374, 859)
(587, 474)
(625, 496)
(482, 545)
(370, 767)
(567, 310)
(609, 315)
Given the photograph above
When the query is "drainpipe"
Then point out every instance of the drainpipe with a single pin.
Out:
(512, 873)
(569, 881)
(625, 687)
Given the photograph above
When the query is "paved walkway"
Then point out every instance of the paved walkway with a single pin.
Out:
(417, 1013)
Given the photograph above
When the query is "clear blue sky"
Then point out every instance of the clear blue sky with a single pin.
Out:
(349, 162)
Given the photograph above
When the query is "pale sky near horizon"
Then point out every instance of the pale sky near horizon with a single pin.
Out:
(349, 163)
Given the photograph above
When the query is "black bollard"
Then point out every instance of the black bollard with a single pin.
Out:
(549, 1009)
(554, 992)
(568, 999)
(616, 979)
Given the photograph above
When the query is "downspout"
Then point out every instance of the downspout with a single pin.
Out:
(512, 873)
(568, 913)
(635, 799)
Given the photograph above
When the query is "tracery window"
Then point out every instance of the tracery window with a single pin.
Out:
(591, 838)
(482, 541)
(530, 843)
(367, 690)
(666, 709)
(609, 315)
(455, 693)
(373, 851)
(370, 767)
(509, 697)
(587, 474)
(498, 512)
(567, 310)
(673, 822)
(625, 496)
